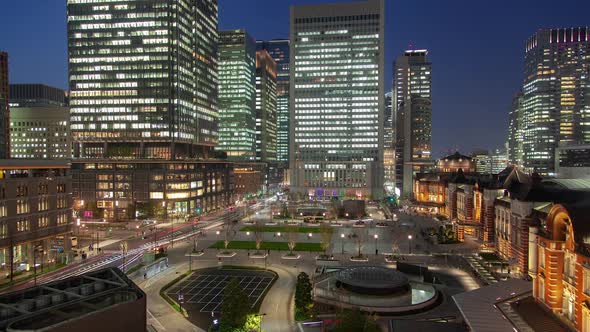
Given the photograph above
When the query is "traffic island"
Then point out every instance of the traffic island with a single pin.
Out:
(291, 256)
(226, 254)
(201, 294)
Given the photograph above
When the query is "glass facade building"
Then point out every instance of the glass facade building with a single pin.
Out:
(389, 144)
(4, 108)
(237, 95)
(556, 95)
(143, 78)
(515, 131)
(412, 82)
(337, 100)
(266, 107)
(279, 51)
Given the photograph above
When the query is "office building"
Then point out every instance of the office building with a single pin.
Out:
(515, 131)
(103, 300)
(572, 161)
(482, 160)
(412, 83)
(4, 107)
(34, 95)
(498, 160)
(39, 122)
(35, 212)
(389, 144)
(143, 86)
(266, 107)
(555, 106)
(337, 100)
(40, 133)
(144, 108)
(237, 95)
(279, 51)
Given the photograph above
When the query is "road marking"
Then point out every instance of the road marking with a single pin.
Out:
(155, 319)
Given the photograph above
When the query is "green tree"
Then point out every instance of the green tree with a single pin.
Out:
(235, 307)
(355, 321)
(303, 296)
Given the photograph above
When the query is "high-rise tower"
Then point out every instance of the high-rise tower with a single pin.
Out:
(337, 100)
(266, 107)
(237, 95)
(143, 78)
(556, 95)
(412, 83)
(4, 110)
(279, 51)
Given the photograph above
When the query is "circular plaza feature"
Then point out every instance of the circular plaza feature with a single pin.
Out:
(374, 289)
(373, 280)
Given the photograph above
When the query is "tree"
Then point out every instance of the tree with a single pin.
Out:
(292, 235)
(355, 321)
(303, 295)
(258, 234)
(325, 236)
(235, 307)
(359, 235)
(228, 233)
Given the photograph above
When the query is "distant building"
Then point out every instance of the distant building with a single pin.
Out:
(35, 95)
(455, 162)
(412, 83)
(572, 161)
(40, 133)
(237, 95)
(248, 181)
(516, 131)
(389, 144)
(266, 107)
(35, 212)
(498, 161)
(555, 101)
(4, 107)
(103, 300)
(279, 50)
(483, 162)
(337, 103)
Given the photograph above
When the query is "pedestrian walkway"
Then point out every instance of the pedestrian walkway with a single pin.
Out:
(480, 269)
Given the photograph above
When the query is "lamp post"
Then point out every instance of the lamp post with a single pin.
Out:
(410, 243)
(376, 236)
(35, 249)
(342, 242)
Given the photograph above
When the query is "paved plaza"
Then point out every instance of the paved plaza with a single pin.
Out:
(203, 290)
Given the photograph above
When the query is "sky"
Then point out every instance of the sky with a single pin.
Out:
(476, 50)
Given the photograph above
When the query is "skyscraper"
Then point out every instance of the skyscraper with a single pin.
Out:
(4, 108)
(556, 94)
(515, 131)
(266, 107)
(389, 143)
(143, 81)
(412, 82)
(237, 95)
(279, 51)
(337, 100)
(143, 78)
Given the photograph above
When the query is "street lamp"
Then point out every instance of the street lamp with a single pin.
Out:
(410, 243)
(342, 242)
(376, 236)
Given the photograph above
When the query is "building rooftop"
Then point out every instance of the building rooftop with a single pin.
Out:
(47, 305)
(480, 307)
(32, 163)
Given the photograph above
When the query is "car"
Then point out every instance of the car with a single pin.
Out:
(381, 224)
(148, 222)
(359, 223)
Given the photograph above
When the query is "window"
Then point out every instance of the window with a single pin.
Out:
(22, 206)
(62, 202)
(21, 191)
(43, 204)
(43, 189)
(3, 230)
(542, 257)
(22, 225)
(61, 188)
(62, 219)
(43, 222)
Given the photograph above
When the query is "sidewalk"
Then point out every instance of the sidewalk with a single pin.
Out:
(160, 314)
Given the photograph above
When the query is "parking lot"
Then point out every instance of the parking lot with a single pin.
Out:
(203, 291)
